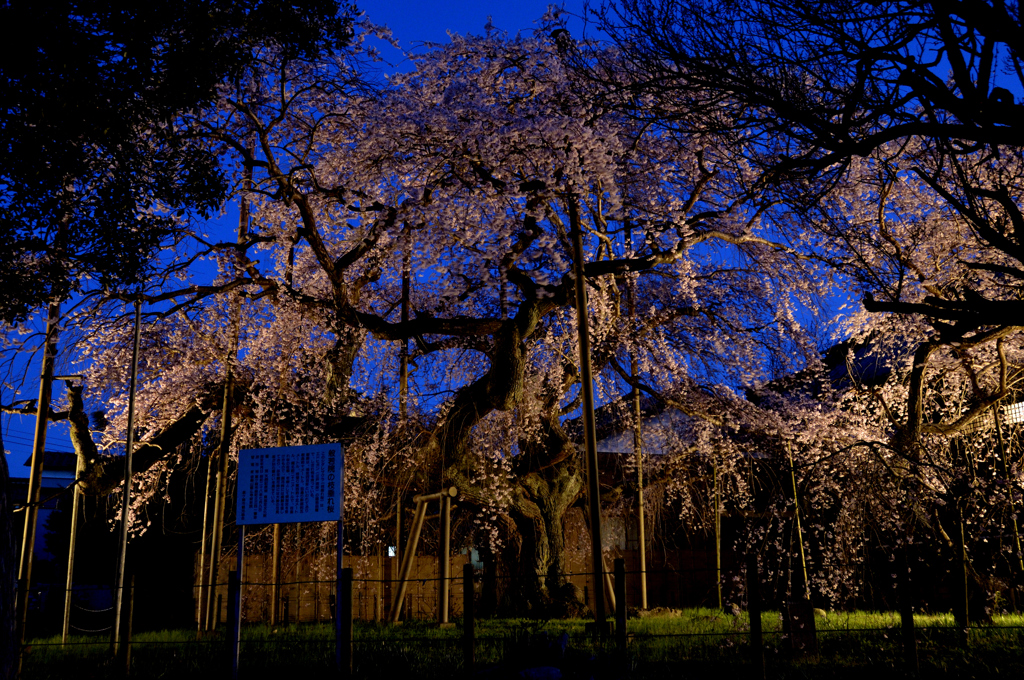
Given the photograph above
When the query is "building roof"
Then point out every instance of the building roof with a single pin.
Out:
(57, 461)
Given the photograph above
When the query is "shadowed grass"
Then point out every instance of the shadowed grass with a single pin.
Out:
(696, 642)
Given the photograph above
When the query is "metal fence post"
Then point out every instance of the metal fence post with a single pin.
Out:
(344, 614)
(128, 628)
(754, 612)
(234, 619)
(906, 599)
(468, 622)
(620, 604)
(444, 559)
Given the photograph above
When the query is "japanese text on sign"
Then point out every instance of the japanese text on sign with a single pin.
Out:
(290, 484)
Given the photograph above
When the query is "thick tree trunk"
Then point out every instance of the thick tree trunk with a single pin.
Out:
(550, 480)
(541, 501)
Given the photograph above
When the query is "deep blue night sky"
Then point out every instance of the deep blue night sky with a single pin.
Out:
(412, 24)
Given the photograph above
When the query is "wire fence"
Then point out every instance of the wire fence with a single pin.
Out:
(165, 634)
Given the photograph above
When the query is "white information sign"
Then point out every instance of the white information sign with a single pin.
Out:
(290, 484)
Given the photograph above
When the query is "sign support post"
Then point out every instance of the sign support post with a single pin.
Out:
(291, 484)
(236, 605)
(342, 606)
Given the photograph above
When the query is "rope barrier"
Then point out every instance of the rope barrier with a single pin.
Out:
(92, 611)
(88, 630)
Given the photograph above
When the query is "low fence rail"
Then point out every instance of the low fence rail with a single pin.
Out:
(747, 641)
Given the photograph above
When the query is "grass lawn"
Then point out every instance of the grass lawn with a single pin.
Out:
(693, 643)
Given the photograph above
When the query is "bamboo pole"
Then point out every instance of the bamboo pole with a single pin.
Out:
(718, 535)
(28, 541)
(275, 588)
(796, 515)
(589, 427)
(220, 499)
(403, 357)
(399, 553)
(127, 484)
(76, 503)
(204, 586)
(638, 439)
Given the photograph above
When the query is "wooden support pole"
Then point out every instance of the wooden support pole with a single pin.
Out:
(607, 585)
(399, 553)
(235, 597)
(220, 498)
(450, 492)
(410, 548)
(641, 521)
(403, 354)
(275, 588)
(234, 320)
(963, 608)
(407, 561)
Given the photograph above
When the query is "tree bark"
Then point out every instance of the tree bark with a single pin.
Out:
(541, 501)
(102, 474)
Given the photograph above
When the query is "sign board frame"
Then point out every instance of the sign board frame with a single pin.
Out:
(289, 484)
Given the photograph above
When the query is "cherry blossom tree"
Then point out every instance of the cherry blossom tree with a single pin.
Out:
(98, 171)
(889, 129)
(821, 87)
(465, 178)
